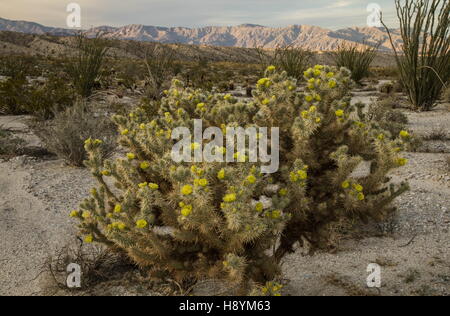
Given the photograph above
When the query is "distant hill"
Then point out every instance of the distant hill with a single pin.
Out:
(247, 35)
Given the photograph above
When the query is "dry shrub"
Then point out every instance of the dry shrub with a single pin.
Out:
(97, 264)
(9, 144)
(66, 133)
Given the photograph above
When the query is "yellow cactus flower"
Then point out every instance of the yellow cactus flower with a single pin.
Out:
(404, 134)
(402, 162)
(121, 226)
(144, 165)
(313, 109)
(142, 126)
(142, 223)
(227, 97)
(318, 120)
(142, 185)
(302, 174)
(229, 198)
(203, 182)
(251, 179)
(265, 101)
(271, 68)
(340, 113)
(358, 187)
(381, 137)
(89, 239)
(131, 156)
(124, 132)
(86, 215)
(106, 173)
(361, 196)
(187, 190)
(330, 74)
(259, 207)
(291, 88)
(345, 185)
(309, 98)
(276, 214)
(305, 114)
(186, 211)
(118, 208)
(74, 213)
(283, 192)
(221, 174)
(293, 177)
(263, 81)
(332, 84)
(318, 98)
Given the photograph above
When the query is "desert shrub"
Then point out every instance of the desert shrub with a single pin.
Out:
(290, 59)
(9, 144)
(356, 59)
(160, 62)
(66, 133)
(424, 64)
(44, 100)
(12, 96)
(18, 67)
(207, 220)
(85, 69)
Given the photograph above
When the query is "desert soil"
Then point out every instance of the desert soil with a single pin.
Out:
(412, 248)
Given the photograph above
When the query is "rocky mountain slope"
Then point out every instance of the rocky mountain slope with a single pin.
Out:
(247, 35)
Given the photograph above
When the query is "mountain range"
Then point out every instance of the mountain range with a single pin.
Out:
(247, 35)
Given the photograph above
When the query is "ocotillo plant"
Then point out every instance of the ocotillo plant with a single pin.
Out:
(190, 221)
(85, 68)
(424, 62)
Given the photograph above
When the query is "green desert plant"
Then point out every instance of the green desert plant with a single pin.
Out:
(290, 59)
(65, 134)
(85, 69)
(44, 100)
(355, 58)
(12, 96)
(160, 62)
(215, 220)
(424, 63)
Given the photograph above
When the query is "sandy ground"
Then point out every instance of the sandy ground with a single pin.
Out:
(413, 248)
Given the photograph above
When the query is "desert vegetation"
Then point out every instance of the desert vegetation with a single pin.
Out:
(359, 165)
(424, 63)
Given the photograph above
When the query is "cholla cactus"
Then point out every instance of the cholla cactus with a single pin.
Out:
(228, 220)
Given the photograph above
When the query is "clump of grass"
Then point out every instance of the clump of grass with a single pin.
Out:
(356, 59)
(85, 69)
(424, 63)
(290, 59)
(66, 133)
(160, 62)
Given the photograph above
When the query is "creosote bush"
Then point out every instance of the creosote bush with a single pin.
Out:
(210, 220)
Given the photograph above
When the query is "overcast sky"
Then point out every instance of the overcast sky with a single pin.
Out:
(194, 13)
